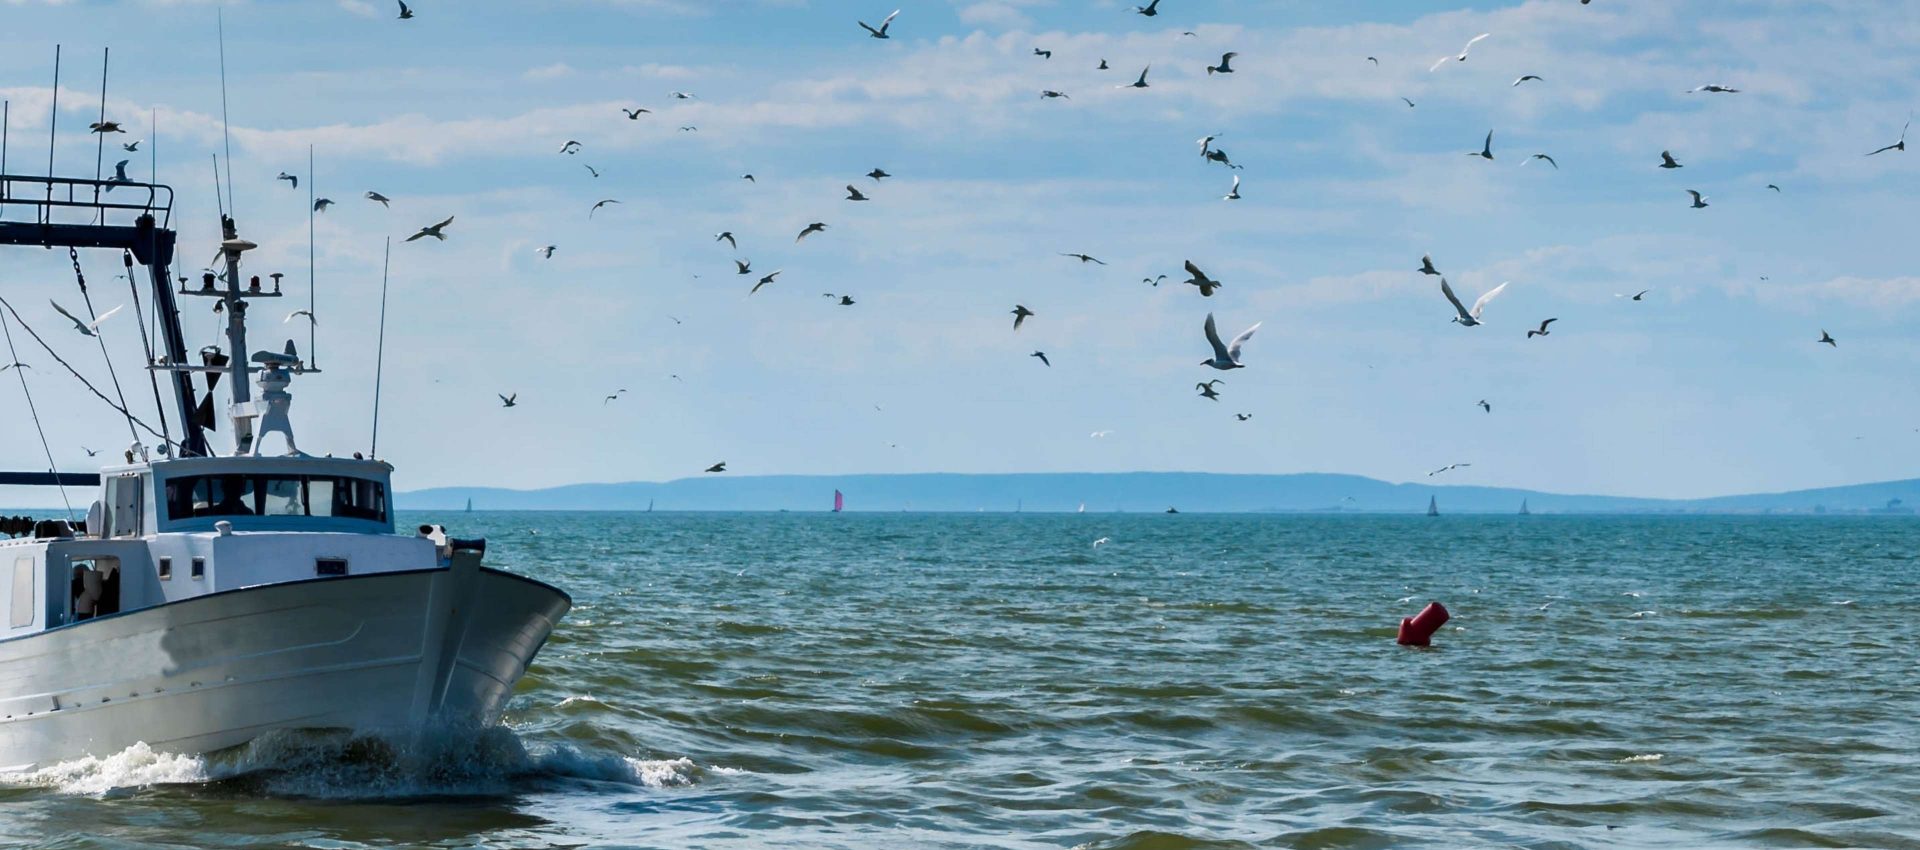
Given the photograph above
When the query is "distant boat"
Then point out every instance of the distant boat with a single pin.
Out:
(839, 502)
(1433, 506)
(1523, 508)
(1018, 505)
(469, 506)
(649, 506)
(1083, 508)
(1173, 510)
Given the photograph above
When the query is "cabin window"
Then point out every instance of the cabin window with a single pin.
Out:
(276, 495)
(166, 569)
(23, 595)
(124, 497)
(199, 568)
(329, 566)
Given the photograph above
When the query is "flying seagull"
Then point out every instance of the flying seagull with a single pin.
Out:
(297, 314)
(1207, 285)
(1638, 296)
(1483, 405)
(18, 365)
(1463, 52)
(878, 174)
(1050, 94)
(1151, 9)
(598, 205)
(1243, 416)
(293, 182)
(764, 281)
(846, 300)
(376, 196)
(1448, 468)
(106, 127)
(509, 400)
(132, 147)
(1043, 358)
(406, 14)
(85, 328)
(1375, 60)
(1774, 187)
(1699, 200)
(1103, 66)
(321, 204)
(1206, 389)
(547, 252)
(591, 170)
(1083, 258)
(435, 231)
(634, 114)
(681, 95)
(1824, 337)
(1526, 78)
(855, 194)
(727, 237)
(1899, 145)
(1044, 54)
(1667, 160)
(1020, 314)
(1469, 318)
(743, 266)
(1139, 83)
(1486, 148)
(718, 467)
(119, 174)
(1715, 88)
(1226, 357)
(815, 227)
(612, 398)
(1155, 281)
(1409, 102)
(570, 147)
(1234, 193)
(1543, 329)
(1225, 66)
(1426, 264)
(882, 31)
(1556, 166)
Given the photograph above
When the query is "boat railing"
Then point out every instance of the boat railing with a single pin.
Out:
(50, 201)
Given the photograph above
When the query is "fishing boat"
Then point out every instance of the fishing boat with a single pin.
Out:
(208, 598)
(1433, 506)
(839, 502)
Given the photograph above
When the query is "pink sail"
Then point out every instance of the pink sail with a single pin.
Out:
(839, 502)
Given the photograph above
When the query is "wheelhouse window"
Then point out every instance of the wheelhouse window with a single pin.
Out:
(276, 495)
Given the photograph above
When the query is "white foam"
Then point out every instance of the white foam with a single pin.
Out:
(1641, 758)
(138, 766)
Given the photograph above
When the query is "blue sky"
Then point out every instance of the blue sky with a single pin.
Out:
(1714, 384)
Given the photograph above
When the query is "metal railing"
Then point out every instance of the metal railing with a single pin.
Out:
(46, 197)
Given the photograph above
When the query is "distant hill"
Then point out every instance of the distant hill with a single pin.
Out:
(1126, 491)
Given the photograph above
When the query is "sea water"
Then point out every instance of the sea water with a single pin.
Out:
(888, 681)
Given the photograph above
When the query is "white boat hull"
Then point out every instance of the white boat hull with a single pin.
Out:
(440, 646)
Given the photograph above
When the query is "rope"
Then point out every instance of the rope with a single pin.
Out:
(81, 278)
(14, 356)
(76, 373)
(146, 342)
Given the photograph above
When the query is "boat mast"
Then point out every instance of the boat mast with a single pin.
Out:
(232, 246)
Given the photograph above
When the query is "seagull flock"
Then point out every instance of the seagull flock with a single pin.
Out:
(1222, 356)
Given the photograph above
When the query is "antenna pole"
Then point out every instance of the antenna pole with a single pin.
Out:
(100, 148)
(313, 324)
(6, 122)
(53, 122)
(225, 135)
(380, 351)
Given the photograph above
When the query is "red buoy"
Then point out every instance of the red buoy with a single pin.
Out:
(1418, 629)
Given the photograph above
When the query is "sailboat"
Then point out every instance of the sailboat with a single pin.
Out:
(1523, 508)
(649, 506)
(469, 506)
(839, 502)
(1433, 506)
(1083, 508)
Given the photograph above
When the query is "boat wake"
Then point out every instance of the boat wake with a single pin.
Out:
(342, 765)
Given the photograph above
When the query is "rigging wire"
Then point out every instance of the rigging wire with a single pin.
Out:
(313, 322)
(53, 123)
(122, 410)
(100, 147)
(380, 351)
(80, 277)
(225, 135)
(146, 343)
(14, 355)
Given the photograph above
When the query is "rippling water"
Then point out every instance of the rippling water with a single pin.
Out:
(885, 681)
